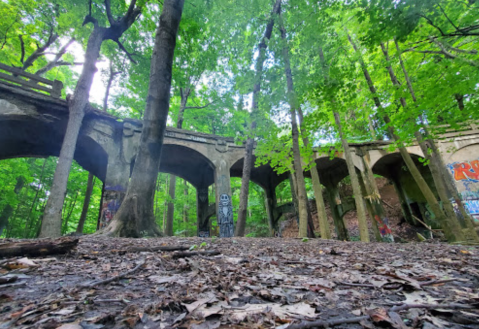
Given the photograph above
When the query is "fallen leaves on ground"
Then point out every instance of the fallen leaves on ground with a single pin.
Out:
(252, 283)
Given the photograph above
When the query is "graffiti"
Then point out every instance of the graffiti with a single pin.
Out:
(465, 171)
(225, 216)
(384, 229)
(197, 139)
(112, 198)
(204, 234)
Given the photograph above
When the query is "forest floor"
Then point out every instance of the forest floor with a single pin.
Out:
(246, 283)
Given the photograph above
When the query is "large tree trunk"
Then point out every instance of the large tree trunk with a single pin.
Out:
(52, 220)
(135, 216)
(86, 203)
(450, 227)
(8, 210)
(248, 158)
(358, 196)
(298, 169)
(51, 224)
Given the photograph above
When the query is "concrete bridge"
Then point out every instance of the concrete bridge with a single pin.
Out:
(33, 125)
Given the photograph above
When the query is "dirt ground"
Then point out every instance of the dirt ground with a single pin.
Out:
(402, 231)
(242, 283)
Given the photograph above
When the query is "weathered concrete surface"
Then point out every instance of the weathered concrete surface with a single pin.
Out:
(32, 124)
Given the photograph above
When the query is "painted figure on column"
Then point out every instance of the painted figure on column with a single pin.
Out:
(225, 216)
(384, 229)
(112, 199)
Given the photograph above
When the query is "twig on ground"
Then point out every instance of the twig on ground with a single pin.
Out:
(327, 324)
(118, 277)
(356, 284)
(430, 283)
(10, 285)
(403, 307)
(153, 249)
(195, 253)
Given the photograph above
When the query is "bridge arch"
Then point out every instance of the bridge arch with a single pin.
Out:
(25, 136)
(187, 163)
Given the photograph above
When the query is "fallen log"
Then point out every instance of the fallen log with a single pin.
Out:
(38, 247)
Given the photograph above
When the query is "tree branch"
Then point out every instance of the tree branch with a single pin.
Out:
(432, 24)
(128, 54)
(449, 54)
(447, 17)
(22, 44)
(108, 12)
(40, 51)
(200, 107)
(56, 61)
(6, 33)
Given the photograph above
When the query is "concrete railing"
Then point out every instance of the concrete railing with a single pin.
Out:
(16, 77)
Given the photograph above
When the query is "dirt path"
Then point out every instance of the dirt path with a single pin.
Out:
(253, 283)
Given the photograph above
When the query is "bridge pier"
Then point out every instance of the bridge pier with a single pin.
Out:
(271, 204)
(223, 199)
(203, 227)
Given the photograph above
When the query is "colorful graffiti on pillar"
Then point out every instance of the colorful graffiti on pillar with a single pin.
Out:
(468, 170)
(112, 198)
(467, 173)
(384, 229)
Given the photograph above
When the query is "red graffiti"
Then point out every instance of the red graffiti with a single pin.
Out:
(466, 170)
(383, 227)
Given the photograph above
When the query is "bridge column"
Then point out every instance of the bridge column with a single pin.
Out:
(334, 201)
(223, 199)
(271, 203)
(116, 183)
(203, 228)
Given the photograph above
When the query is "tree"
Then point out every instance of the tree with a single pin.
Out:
(249, 145)
(135, 216)
(51, 225)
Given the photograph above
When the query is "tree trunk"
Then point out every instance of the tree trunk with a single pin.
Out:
(171, 206)
(67, 218)
(298, 170)
(52, 221)
(86, 204)
(248, 158)
(111, 77)
(28, 220)
(374, 198)
(185, 207)
(451, 229)
(321, 208)
(172, 190)
(135, 216)
(8, 210)
(358, 196)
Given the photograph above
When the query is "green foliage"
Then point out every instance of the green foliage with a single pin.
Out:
(29, 203)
